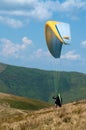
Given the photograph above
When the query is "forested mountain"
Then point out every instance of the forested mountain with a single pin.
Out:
(41, 84)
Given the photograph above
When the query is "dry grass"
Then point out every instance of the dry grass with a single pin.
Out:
(70, 117)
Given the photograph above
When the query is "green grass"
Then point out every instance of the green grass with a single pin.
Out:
(40, 84)
(23, 103)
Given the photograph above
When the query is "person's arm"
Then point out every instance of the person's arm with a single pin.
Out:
(54, 97)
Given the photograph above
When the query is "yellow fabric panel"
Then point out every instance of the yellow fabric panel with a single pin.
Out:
(52, 24)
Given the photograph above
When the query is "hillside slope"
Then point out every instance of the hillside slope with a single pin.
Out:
(12, 101)
(70, 116)
(40, 84)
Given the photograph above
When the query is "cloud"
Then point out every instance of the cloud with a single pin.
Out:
(41, 10)
(33, 9)
(39, 54)
(11, 22)
(8, 48)
(26, 42)
(20, 1)
(83, 43)
(70, 55)
(69, 5)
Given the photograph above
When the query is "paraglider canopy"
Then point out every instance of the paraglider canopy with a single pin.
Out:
(56, 34)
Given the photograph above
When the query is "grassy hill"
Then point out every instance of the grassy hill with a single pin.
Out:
(40, 84)
(70, 116)
(12, 101)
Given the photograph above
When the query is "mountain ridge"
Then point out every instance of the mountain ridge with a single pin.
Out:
(41, 84)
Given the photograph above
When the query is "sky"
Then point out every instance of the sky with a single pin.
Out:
(22, 38)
